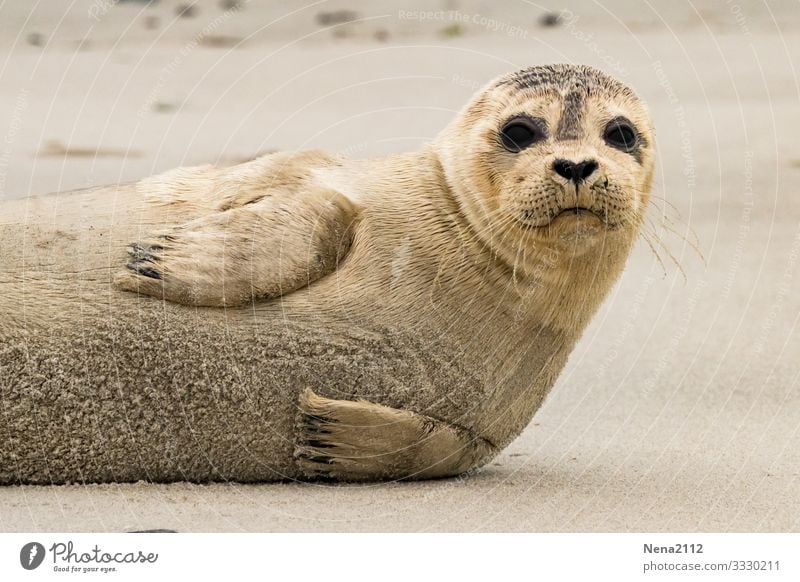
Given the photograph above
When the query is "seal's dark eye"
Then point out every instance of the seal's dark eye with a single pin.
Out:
(521, 132)
(620, 134)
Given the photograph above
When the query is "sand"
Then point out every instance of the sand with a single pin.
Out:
(680, 408)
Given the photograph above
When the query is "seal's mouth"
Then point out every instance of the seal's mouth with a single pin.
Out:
(570, 217)
(578, 211)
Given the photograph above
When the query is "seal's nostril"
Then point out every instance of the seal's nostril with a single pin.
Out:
(584, 169)
(563, 168)
(574, 172)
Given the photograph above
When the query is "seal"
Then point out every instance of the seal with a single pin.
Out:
(307, 316)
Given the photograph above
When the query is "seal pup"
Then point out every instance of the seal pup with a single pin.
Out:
(308, 316)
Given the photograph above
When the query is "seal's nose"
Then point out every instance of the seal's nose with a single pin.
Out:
(575, 172)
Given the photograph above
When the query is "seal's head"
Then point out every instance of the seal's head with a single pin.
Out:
(557, 156)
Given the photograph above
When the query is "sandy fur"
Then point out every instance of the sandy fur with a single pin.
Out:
(427, 314)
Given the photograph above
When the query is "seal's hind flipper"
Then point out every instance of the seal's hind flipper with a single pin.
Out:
(361, 441)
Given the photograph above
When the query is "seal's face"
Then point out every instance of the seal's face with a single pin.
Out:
(581, 169)
(563, 151)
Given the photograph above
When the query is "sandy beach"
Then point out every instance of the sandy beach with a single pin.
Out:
(680, 408)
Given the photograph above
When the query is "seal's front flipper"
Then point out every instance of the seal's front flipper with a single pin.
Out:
(361, 441)
(265, 249)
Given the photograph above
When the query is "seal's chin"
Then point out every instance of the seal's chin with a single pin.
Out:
(577, 223)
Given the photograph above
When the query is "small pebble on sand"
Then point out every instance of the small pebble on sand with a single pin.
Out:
(186, 10)
(336, 17)
(550, 19)
(36, 39)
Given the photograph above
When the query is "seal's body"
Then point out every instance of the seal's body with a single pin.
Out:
(305, 316)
